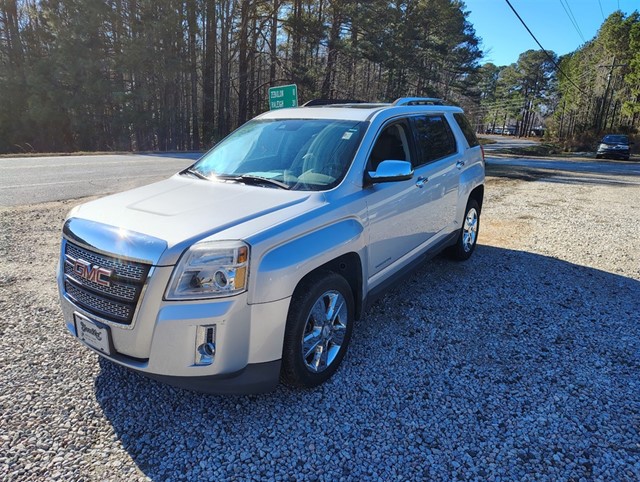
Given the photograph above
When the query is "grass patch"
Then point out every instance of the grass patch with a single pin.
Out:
(484, 141)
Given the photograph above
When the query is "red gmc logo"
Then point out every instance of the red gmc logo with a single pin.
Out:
(86, 270)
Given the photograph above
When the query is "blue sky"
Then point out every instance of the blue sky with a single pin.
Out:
(504, 37)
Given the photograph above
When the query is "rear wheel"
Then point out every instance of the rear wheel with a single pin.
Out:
(318, 330)
(468, 237)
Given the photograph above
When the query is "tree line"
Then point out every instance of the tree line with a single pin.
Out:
(517, 97)
(577, 97)
(102, 75)
(604, 92)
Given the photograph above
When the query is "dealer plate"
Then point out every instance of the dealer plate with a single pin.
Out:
(92, 334)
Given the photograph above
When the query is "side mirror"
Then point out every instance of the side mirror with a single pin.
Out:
(390, 171)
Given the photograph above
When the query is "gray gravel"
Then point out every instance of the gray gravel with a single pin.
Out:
(521, 364)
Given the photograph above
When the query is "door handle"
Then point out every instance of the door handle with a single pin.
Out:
(459, 164)
(422, 181)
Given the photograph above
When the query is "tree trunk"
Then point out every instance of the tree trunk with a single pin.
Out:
(243, 62)
(193, 73)
(210, 43)
(224, 91)
(332, 54)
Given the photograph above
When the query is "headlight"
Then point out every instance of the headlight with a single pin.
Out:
(210, 270)
(602, 147)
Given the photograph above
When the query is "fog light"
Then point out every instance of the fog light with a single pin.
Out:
(205, 344)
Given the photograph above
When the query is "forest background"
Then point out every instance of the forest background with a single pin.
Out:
(142, 75)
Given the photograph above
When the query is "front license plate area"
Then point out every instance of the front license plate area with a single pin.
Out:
(94, 334)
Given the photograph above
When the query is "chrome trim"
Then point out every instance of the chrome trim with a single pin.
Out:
(392, 170)
(110, 240)
(113, 242)
(142, 293)
(111, 302)
(324, 332)
(422, 181)
(470, 230)
(83, 311)
(111, 323)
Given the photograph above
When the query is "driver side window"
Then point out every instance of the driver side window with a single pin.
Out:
(391, 145)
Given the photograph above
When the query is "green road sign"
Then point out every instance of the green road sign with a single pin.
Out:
(283, 96)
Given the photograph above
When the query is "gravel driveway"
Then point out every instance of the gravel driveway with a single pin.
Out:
(521, 364)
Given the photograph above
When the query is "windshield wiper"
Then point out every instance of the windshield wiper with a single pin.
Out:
(260, 179)
(198, 174)
(251, 179)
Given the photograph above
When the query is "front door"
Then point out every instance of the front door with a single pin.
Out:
(404, 215)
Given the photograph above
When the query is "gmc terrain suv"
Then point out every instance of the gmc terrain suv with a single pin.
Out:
(252, 265)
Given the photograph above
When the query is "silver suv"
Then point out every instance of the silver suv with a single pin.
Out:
(252, 265)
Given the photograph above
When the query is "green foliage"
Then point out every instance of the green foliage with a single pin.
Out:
(604, 90)
(632, 106)
(160, 74)
(518, 95)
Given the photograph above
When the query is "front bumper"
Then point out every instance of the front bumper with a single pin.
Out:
(254, 378)
(612, 152)
(161, 342)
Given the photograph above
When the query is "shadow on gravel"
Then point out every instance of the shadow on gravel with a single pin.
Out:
(512, 365)
(605, 173)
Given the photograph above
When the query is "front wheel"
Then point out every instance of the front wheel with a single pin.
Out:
(468, 236)
(318, 330)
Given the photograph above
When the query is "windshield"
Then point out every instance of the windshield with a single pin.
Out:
(615, 139)
(301, 154)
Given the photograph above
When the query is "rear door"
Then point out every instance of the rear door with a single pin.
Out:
(438, 163)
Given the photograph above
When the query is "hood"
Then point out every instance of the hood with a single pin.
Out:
(614, 143)
(181, 211)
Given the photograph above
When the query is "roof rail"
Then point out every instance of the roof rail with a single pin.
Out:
(330, 102)
(418, 101)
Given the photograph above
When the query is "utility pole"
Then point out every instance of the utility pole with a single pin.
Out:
(604, 107)
(564, 101)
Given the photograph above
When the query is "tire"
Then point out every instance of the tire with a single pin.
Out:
(318, 330)
(598, 156)
(468, 236)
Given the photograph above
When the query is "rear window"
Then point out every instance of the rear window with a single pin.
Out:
(466, 129)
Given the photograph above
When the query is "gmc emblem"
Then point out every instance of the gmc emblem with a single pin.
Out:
(91, 272)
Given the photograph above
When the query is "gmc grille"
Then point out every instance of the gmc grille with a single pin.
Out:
(116, 302)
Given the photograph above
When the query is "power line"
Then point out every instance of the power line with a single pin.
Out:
(572, 18)
(543, 49)
(601, 11)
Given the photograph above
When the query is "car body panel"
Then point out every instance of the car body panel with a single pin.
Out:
(290, 234)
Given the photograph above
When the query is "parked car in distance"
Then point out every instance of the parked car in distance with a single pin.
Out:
(252, 265)
(614, 146)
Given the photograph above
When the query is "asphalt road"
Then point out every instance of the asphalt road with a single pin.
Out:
(35, 180)
(586, 168)
(579, 168)
(506, 142)
(32, 180)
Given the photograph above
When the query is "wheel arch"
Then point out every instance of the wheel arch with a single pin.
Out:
(478, 194)
(279, 271)
(349, 266)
